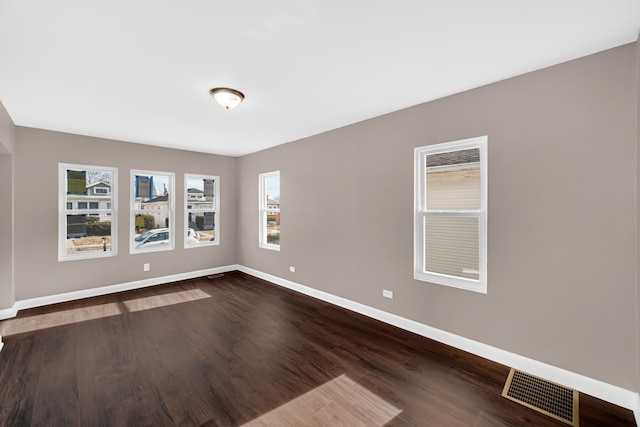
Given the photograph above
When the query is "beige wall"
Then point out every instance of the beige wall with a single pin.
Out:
(562, 191)
(38, 272)
(7, 145)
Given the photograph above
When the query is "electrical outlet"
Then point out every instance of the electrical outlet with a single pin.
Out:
(146, 267)
(387, 294)
(292, 269)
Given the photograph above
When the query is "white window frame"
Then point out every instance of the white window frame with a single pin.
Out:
(420, 203)
(63, 212)
(133, 211)
(215, 209)
(265, 210)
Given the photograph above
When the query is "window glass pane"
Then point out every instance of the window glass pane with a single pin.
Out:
(201, 227)
(87, 234)
(272, 191)
(200, 191)
(273, 228)
(451, 246)
(453, 180)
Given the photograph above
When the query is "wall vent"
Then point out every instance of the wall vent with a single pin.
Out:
(543, 396)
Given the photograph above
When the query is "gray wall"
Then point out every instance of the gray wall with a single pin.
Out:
(7, 145)
(38, 153)
(562, 191)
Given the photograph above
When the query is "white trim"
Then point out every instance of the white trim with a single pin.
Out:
(104, 290)
(421, 213)
(8, 313)
(636, 410)
(264, 210)
(608, 392)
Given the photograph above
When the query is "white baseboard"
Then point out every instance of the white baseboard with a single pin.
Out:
(608, 392)
(8, 313)
(104, 290)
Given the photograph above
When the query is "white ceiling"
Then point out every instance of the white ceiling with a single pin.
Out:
(141, 70)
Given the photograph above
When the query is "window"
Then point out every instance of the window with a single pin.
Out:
(101, 190)
(152, 207)
(270, 210)
(451, 214)
(89, 229)
(202, 220)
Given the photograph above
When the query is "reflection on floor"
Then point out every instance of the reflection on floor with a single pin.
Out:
(66, 317)
(340, 401)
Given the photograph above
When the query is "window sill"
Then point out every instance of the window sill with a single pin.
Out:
(270, 247)
(453, 282)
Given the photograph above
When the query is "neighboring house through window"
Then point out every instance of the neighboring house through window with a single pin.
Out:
(87, 220)
(451, 214)
(152, 211)
(269, 226)
(202, 207)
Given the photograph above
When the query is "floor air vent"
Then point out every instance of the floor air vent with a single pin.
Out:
(543, 396)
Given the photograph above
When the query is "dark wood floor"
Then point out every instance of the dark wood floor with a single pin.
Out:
(237, 350)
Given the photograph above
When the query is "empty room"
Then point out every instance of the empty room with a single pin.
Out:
(307, 213)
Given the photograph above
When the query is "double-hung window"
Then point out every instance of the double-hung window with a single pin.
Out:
(269, 226)
(152, 211)
(202, 207)
(451, 214)
(87, 218)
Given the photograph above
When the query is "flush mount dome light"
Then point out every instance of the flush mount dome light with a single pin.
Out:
(226, 97)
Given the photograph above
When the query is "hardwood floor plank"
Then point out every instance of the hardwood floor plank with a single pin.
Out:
(237, 350)
(20, 383)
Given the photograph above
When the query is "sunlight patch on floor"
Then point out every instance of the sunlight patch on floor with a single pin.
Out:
(58, 318)
(76, 315)
(340, 401)
(156, 301)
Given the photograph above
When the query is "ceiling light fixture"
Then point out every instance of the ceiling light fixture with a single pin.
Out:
(226, 97)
